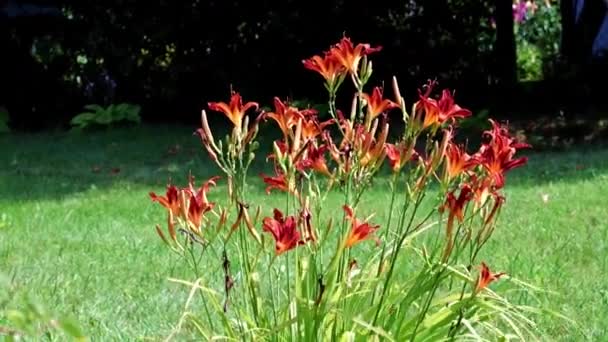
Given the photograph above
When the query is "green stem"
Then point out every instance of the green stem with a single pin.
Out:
(198, 276)
(386, 231)
(396, 253)
(427, 303)
(272, 284)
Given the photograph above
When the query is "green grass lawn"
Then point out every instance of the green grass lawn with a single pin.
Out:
(79, 229)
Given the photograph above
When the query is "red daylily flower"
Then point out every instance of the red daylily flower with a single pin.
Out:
(169, 201)
(279, 182)
(312, 128)
(315, 159)
(360, 230)
(341, 155)
(482, 187)
(442, 110)
(371, 150)
(486, 277)
(457, 161)
(235, 110)
(286, 116)
(398, 155)
(284, 232)
(349, 55)
(496, 156)
(198, 204)
(456, 205)
(376, 105)
(329, 67)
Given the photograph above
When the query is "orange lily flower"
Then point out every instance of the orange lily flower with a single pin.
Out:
(457, 161)
(169, 201)
(496, 156)
(442, 110)
(284, 232)
(329, 67)
(235, 110)
(398, 155)
(198, 204)
(369, 149)
(286, 116)
(312, 128)
(486, 277)
(360, 230)
(349, 55)
(376, 105)
(481, 189)
(279, 182)
(315, 160)
(456, 205)
(276, 182)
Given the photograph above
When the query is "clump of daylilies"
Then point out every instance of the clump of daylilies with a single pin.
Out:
(321, 265)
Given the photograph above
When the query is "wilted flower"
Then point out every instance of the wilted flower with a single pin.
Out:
(360, 230)
(305, 221)
(455, 206)
(235, 110)
(284, 232)
(243, 216)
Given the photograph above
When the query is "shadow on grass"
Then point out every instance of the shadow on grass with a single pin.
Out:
(53, 166)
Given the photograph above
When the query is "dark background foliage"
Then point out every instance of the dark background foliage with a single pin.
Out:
(174, 56)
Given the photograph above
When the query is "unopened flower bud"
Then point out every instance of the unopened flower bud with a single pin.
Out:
(277, 152)
(398, 98)
(207, 130)
(353, 109)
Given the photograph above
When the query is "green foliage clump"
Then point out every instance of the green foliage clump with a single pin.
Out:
(97, 115)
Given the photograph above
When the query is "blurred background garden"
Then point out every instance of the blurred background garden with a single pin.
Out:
(528, 60)
(99, 100)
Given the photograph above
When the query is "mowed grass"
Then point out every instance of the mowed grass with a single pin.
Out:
(79, 233)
